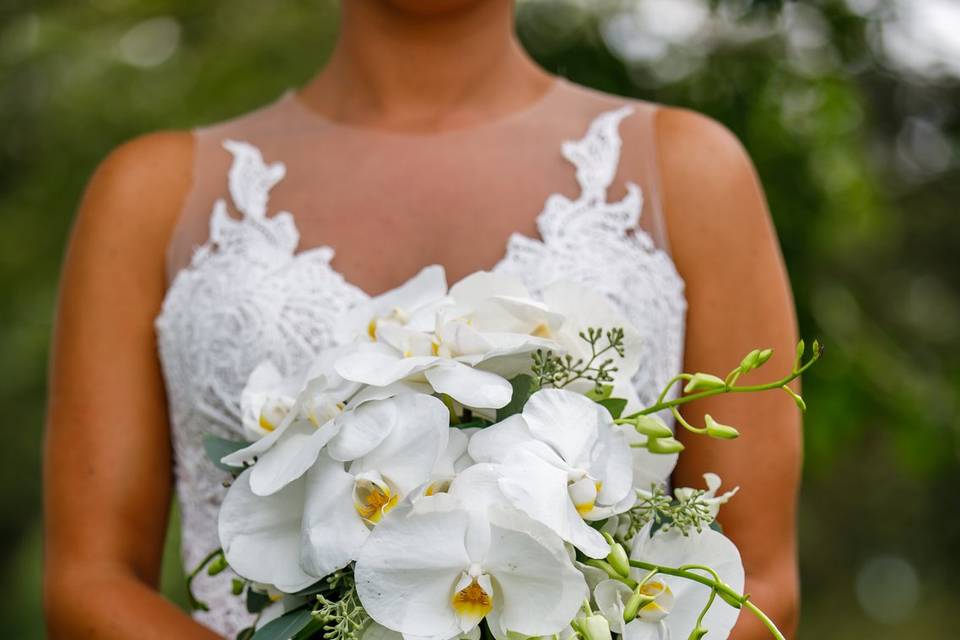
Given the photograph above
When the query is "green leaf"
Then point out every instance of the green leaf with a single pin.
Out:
(217, 447)
(257, 601)
(473, 424)
(286, 626)
(523, 387)
(605, 392)
(614, 405)
(246, 634)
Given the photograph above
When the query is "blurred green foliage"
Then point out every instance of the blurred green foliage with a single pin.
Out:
(858, 155)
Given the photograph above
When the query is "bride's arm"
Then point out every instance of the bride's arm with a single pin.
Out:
(739, 299)
(107, 467)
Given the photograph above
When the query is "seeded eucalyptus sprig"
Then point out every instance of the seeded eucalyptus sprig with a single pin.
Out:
(559, 371)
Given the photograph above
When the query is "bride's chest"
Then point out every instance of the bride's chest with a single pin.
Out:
(256, 291)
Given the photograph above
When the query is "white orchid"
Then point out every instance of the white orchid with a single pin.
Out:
(483, 336)
(676, 602)
(564, 462)
(413, 304)
(315, 524)
(317, 413)
(440, 565)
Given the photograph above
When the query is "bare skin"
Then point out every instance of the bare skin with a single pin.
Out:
(108, 459)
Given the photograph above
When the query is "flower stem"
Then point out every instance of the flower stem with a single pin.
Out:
(722, 589)
(662, 404)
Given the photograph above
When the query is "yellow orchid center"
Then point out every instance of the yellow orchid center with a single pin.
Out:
(473, 598)
(373, 498)
(584, 492)
(542, 330)
(662, 601)
(396, 314)
(272, 414)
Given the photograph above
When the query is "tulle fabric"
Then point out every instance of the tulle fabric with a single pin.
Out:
(348, 186)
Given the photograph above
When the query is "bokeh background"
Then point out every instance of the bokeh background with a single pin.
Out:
(850, 109)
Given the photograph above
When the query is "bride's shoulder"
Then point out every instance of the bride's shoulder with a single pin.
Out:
(684, 138)
(135, 194)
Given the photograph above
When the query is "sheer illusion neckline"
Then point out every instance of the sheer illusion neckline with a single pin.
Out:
(292, 97)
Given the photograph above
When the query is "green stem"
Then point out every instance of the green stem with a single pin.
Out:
(725, 591)
(676, 402)
(767, 622)
(197, 604)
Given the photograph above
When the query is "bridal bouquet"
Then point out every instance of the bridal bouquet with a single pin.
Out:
(471, 463)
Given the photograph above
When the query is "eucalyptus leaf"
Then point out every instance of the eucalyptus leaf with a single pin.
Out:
(217, 447)
(524, 386)
(257, 601)
(614, 405)
(286, 626)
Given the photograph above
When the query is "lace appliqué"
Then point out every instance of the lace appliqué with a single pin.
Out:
(245, 297)
(248, 295)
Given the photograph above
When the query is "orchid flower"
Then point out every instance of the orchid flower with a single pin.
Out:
(317, 413)
(440, 565)
(315, 525)
(413, 304)
(477, 341)
(676, 602)
(564, 463)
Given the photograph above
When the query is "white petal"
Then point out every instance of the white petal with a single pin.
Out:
(612, 464)
(379, 365)
(539, 489)
(541, 590)
(290, 457)
(470, 387)
(493, 443)
(362, 429)
(406, 571)
(367, 394)
(422, 290)
(478, 287)
(261, 536)
(417, 436)
(332, 531)
(446, 464)
(565, 420)
(611, 596)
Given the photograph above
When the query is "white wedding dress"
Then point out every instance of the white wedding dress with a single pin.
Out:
(247, 285)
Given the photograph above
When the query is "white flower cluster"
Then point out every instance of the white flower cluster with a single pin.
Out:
(374, 459)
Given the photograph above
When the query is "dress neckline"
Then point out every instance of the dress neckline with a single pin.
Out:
(292, 97)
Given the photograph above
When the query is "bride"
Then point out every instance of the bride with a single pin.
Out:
(428, 138)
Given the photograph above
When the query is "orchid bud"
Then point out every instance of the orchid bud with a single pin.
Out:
(619, 560)
(217, 565)
(594, 627)
(750, 361)
(652, 427)
(717, 430)
(764, 356)
(664, 445)
(236, 586)
(704, 382)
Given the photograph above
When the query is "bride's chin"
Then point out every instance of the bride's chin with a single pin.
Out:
(431, 7)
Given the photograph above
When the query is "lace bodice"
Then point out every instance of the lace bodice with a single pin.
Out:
(248, 294)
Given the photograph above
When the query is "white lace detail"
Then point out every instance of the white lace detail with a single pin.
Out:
(248, 295)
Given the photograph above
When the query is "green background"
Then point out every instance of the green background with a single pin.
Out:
(856, 147)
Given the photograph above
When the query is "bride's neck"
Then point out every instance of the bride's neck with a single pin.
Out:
(402, 68)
